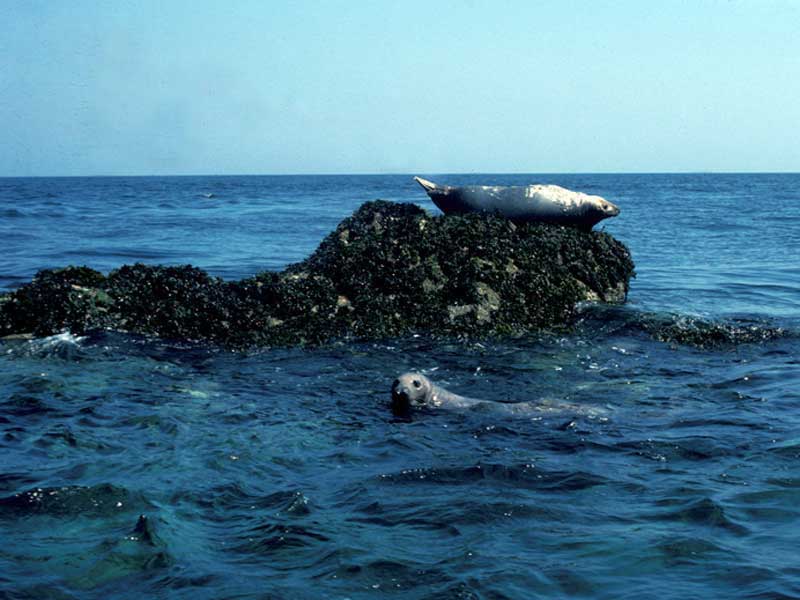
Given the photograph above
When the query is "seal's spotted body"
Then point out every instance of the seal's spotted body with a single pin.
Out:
(533, 203)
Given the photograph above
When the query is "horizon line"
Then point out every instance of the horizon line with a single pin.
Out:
(398, 173)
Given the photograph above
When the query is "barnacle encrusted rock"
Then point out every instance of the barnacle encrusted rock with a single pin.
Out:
(387, 270)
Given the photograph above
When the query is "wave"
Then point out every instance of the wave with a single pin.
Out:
(271, 537)
(702, 511)
(64, 345)
(680, 329)
(517, 476)
(99, 500)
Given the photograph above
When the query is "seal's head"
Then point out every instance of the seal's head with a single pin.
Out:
(410, 390)
(600, 208)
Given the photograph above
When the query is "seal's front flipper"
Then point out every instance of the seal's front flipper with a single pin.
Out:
(428, 186)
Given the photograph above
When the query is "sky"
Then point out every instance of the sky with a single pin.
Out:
(270, 87)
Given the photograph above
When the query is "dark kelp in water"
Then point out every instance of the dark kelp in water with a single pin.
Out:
(387, 270)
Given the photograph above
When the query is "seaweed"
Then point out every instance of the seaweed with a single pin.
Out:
(389, 269)
(71, 298)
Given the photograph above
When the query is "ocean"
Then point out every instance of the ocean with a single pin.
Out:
(145, 468)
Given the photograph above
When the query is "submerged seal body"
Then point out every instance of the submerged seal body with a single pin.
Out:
(532, 203)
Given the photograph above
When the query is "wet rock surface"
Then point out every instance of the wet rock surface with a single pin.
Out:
(389, 269)
(678, 329)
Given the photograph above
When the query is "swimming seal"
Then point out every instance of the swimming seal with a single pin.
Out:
(532, 203)
(413, 390)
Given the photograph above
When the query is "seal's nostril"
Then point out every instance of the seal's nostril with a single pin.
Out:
(400, 393)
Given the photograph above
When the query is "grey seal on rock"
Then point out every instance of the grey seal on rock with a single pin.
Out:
(532, 203)
(415, 391)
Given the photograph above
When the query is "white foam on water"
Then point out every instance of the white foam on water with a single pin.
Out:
(65, 337)
(60, 343)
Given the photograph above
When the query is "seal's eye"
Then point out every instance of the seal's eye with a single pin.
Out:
(417, 383)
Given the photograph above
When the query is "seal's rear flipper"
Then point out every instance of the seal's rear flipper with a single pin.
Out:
(428, 186)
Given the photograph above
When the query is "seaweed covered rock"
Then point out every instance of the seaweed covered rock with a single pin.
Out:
(677, 329)
(285, 309)
(179, 302)
(387, 270)
(693, 331)
(71, 298)
(399, 269)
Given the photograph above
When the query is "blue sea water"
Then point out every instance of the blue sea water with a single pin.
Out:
(653, 470)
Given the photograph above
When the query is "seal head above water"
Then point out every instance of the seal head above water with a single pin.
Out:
(532, 203)
(414, 390)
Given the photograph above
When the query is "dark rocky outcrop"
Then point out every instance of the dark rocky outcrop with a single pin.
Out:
(387, 270)
(702, 333)
(678, 329)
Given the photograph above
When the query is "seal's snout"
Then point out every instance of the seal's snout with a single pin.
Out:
(398, 389)
(612, 210)
(401, 398)
(409, 391)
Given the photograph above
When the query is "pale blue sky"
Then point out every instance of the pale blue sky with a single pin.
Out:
(172, 87)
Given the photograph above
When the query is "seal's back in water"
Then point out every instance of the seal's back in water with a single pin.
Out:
(532, 203)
